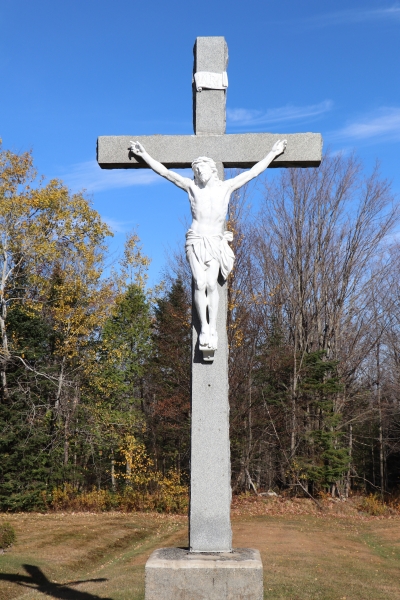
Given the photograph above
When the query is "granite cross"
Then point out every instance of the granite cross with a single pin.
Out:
(210, 471)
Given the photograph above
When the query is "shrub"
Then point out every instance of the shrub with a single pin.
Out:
(153, 492)
(7, 535)
(374, 506)
(94, 500)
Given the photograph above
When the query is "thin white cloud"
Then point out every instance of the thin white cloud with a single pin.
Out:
(344, 151)
(118, 226)
(244, 116)
(354, 16)
(89, 176)
(384, 124)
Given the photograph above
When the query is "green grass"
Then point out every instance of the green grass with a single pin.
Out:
(84, 556)
(305, 557)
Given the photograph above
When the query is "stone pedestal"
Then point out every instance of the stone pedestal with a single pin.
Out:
(177, 574)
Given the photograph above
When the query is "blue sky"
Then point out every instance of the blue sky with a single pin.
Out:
(73, 70)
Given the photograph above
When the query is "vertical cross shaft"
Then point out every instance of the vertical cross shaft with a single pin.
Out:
(210, 499)
(209, 109)
(210, 468)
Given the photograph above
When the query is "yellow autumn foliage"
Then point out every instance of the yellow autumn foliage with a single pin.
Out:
(52, 248)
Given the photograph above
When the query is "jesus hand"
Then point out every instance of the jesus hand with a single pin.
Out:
(137, 148)
(279, 147)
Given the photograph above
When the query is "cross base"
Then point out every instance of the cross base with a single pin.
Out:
(175, 573)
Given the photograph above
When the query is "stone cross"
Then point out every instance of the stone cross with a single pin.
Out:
(210, 470)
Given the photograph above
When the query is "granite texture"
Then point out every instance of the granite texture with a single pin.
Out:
(233, 150)
(210, 53)
(175, 574)
(200, 576)
(210, 465)
(209, 114)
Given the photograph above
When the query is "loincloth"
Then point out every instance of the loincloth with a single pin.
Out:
(209, 247)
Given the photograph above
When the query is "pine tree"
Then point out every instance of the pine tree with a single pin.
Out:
(170, 376)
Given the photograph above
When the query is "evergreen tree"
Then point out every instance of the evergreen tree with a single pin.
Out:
(116, 386)
(170, 376)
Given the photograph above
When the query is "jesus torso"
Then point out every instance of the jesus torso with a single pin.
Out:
(209, 206)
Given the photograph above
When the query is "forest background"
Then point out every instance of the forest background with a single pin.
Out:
(95, 365)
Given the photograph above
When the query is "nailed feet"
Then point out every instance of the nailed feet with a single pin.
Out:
(208, 339)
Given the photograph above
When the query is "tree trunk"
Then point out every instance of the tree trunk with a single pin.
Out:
(66, 440)
(380, 434)
(348, 478)
(60, 386)
(113, 481)
(128, 472)
(3, 331)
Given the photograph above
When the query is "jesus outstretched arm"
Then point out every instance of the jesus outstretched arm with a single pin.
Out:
(178, 180)
(237, 182)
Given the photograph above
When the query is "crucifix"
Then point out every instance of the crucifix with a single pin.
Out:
(208, 152)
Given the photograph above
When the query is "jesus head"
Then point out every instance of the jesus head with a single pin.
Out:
(204, 168)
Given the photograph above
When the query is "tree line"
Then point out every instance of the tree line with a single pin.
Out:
(95, 366)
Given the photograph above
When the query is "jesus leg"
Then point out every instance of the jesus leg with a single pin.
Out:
(200, 297)
(213, 301)
(201, 302)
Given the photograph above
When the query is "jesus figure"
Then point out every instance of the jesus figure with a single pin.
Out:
(207, 248)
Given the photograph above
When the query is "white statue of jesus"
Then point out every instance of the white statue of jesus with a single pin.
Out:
(206, 246)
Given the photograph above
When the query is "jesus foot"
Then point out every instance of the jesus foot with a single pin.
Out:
(213, 339)
(204, 338)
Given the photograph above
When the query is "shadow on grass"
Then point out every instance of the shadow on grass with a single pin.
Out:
(37, 580)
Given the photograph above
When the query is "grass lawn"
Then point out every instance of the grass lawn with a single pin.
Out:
(86, 556)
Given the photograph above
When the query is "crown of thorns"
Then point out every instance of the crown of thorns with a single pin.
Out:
(205, 159)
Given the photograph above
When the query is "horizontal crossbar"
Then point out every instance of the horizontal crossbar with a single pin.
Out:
(233, 150)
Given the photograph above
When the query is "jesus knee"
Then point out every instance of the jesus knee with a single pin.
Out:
(200, 284)
(211, 287)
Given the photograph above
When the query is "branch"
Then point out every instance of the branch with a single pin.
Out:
(29, 368)
(298, 482)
